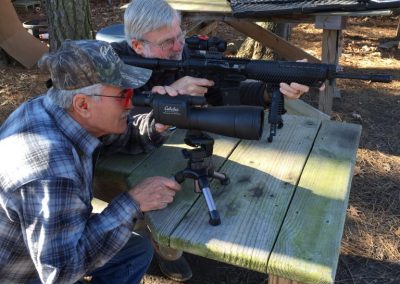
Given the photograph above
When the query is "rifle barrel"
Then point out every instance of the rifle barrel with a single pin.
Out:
(374, 78)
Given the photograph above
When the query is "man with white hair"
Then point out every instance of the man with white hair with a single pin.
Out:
(153, 30)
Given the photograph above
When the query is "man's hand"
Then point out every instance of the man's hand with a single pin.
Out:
(154, 193)
(192, 86)
(163, 90)
(295, 90)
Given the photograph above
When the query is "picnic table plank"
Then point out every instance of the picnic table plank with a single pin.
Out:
(201, 5)
(304, 251)
(252, 207)
(111, 174)
(167, 161)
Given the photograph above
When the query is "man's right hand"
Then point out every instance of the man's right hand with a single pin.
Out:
(192, 86)
(154, 193)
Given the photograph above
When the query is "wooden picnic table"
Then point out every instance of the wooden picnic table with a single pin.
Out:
(283, 212)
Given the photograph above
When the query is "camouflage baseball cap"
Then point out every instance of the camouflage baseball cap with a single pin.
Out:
(81, 63)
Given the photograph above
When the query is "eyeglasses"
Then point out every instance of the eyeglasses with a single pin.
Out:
(125, 95)
(168, 43)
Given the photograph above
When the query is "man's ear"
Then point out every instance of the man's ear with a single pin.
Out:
(81, 105)
(137, 46)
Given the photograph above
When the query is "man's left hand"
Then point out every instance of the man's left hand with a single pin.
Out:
(293, 91)
(163, 90)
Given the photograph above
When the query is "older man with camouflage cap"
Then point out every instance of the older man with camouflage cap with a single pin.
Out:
(48, 233)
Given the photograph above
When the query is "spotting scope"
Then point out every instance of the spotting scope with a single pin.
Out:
(191, 112)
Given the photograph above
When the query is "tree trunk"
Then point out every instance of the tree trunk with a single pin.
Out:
(255, 50)
(68, 20)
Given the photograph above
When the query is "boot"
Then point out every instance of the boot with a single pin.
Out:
(172, 263)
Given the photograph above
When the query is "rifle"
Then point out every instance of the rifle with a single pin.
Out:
(206, 60)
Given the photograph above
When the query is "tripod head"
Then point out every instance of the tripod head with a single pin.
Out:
(200, 168)
(202, 143)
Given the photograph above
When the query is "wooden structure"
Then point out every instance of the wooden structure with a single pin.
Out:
(14, 39)
(283, 212)
(206, 12)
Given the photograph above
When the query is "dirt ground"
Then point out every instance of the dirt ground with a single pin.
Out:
(370, 250)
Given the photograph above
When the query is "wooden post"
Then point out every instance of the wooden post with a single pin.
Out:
(272, 279)
(279, 45)
(203, 28)
(331, 49)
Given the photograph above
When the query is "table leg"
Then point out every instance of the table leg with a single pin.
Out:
(331, 45)
(332, 41)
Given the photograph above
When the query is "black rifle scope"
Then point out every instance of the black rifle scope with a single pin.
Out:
(190, 112)
(206, 43)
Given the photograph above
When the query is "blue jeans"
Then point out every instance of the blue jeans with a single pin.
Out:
(128, 265)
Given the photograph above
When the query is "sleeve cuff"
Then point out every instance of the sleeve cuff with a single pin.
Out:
(127, 207)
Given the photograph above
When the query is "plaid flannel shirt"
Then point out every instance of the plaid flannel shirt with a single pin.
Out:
(46, 226)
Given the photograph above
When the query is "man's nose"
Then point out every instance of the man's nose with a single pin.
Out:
(178, 45)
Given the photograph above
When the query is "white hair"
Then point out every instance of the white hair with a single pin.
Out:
(63, 98)
(143, 16)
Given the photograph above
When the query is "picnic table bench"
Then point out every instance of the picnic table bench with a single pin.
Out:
(283, 212)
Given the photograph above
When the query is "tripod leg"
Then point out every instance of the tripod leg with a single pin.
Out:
(223, 178)
(212, 210)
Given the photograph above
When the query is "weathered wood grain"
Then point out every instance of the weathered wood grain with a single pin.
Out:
(308, 245)
(252, 207)
(201, 5)
(167, 161)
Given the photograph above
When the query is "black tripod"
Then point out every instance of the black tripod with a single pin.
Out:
(200, 169)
